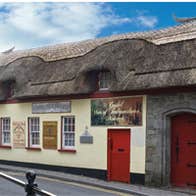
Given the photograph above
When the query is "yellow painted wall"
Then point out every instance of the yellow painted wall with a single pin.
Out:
(87, 155)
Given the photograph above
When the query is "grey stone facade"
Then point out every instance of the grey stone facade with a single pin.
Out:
(160, 108)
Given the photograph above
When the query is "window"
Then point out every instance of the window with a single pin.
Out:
(68, 132)
(5, 131)
(104, 80)
(34, 131)
(8, 89)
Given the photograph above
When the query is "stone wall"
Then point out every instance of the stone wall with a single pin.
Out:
(159, 110)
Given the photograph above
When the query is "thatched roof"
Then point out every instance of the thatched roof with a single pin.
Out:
(137, 61)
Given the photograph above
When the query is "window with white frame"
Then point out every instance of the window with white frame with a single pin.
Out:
(68, 132)
(104, 80)
(5, 131)
(34, 131)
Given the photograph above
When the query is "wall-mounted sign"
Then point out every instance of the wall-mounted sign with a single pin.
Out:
(52, 107)
(117, 111)
(18, 134)
(86, 137)
(50, 135)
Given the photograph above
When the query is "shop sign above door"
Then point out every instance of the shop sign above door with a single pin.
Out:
(124, 111)
(51, 107)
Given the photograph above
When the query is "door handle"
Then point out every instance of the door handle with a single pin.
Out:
(177, 149)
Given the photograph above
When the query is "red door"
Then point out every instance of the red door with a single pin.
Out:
(183, 150)
(119, 155)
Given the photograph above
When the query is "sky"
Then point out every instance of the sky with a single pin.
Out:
(31, 25)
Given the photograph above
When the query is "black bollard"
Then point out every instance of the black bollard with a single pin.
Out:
(30, 176)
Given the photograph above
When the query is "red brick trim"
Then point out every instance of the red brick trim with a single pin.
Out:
(61, 133)
(28, 133)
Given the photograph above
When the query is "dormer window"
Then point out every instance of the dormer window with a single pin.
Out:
(104, 80)
(7, 89)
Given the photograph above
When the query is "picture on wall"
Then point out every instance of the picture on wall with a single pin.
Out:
(117, 111)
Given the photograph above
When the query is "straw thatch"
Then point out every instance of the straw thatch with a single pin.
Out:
(135, 64)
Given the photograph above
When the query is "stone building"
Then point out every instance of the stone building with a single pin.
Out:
(120, 108)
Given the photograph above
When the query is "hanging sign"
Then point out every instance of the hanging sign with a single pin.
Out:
(52, 107)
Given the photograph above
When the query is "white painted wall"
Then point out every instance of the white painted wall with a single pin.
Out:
(87, 155)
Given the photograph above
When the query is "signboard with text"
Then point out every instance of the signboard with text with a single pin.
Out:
(117, 111)
(52, 107)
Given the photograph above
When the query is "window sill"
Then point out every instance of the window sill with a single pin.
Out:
(67, 150)
(103, 89)
(33, 148)
(6, 147)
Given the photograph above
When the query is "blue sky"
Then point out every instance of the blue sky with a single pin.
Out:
(162, 11)
(29, 25)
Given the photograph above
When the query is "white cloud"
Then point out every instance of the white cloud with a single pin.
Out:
(26, 25)
(147, 21)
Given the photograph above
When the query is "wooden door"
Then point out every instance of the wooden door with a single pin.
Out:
(183, 150)
(119, 155)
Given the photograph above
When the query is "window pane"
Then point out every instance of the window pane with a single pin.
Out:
(34, 131)
(104, 80)
(68, 131)
(35, 138)
(5, 130)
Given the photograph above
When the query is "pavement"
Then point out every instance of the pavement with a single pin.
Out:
(114, 186)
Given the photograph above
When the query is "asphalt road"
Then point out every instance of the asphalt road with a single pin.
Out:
(58, 187)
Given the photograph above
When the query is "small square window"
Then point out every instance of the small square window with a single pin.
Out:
(104, 80)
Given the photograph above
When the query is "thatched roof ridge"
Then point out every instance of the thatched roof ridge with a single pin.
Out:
(185, 31)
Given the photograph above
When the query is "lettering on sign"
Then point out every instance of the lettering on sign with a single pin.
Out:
(50, 135)
(18, 134)
(53, 107)
(117, 111)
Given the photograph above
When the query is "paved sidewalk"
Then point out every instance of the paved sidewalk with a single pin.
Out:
(121, 187)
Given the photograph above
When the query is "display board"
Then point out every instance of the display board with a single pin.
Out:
(126, 111)
(51, 107)
(18, 134)
(50, 134)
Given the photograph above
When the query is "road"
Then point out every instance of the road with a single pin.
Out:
(58, 187)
